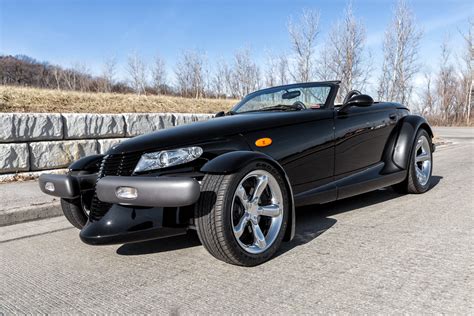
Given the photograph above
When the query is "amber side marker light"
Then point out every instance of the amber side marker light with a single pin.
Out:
(263, 142)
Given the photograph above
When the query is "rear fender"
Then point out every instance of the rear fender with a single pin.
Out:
(234, 161)
(406, 138)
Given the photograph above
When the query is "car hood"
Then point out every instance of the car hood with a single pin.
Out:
(212, 129)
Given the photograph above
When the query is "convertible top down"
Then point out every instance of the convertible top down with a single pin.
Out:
(237, 178)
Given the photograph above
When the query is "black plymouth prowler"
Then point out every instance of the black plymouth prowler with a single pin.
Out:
(237, 178)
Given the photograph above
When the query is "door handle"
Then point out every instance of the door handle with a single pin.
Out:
(393, 116)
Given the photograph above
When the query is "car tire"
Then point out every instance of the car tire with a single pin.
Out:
(73, 209)
(420, 166)
(74, 213)
(241, 218)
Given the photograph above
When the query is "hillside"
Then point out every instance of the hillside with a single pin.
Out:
(18, 99)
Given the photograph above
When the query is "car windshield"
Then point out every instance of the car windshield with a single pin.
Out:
(285, 98)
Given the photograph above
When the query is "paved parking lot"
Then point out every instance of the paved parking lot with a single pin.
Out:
(377, 253)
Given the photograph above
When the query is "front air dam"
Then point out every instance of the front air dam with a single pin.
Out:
(124, 224)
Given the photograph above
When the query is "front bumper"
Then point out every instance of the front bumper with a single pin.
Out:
(151, 191)
(154, 213)
(66, 186)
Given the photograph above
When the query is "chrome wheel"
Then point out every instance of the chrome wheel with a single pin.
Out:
(423, 160)
(257, 211)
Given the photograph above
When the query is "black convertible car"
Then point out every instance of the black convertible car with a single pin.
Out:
(238, 177)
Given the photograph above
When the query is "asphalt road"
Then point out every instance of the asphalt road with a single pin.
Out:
(377, 253)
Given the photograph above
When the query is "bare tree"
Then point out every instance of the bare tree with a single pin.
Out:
(70, 79)
(271, 70)
(219, 79)
(467, 70)
(108, 74)
(345, 57)
(400, 49)
(137, 71)
(427, 100)
(323, 71)
(283, 69)
(83, 76)
(246, 74)
(207, 77)
(276, 70)
(57, 74)
(446, 84)
(77, 77)
(190, 74)
(303, 34)
(159, 75)
(230, 83)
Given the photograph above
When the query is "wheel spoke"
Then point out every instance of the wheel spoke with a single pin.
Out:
(272, 210)
(262, 183)
(261, 200)
(422, 157)
(420, 175)
(242, 194)
(240, 228)
(419, 144)
(260, 241)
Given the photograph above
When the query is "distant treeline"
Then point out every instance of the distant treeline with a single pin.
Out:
(21, 70)
(444, 91)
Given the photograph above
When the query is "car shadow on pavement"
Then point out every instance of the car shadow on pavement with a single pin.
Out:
(311, 222)
(314, 220)
(434, 181)
(160, 245)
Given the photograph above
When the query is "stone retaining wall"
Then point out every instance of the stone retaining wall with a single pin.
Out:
(42, 141)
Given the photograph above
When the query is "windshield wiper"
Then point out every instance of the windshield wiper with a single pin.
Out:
(279, 107)
(282, 107)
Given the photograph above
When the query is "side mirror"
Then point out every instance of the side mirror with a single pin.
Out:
(358, 100)
(219, 114)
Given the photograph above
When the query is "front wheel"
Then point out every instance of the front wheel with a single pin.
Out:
(241, 218)
(420, 166)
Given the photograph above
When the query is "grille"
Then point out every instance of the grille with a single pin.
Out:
(119, 165)
(112, 165)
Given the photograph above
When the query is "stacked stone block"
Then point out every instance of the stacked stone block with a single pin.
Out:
(44, 141)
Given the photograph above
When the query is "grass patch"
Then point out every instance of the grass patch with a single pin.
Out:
(20, 99)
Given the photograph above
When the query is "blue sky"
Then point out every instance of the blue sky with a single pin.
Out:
(88, 31)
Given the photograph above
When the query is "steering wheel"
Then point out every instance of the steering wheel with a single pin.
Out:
(350, 94)
(300, 105)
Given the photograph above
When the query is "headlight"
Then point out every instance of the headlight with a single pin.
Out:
(167, 158)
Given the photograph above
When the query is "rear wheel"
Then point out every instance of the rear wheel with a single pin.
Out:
(420, 166)
(74, 212)
(74, 209)
(241, 218)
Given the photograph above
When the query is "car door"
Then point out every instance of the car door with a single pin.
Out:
(360, 136)
(305, 148)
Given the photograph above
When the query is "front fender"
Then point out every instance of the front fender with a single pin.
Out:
(89, 163)
(233, 161)
(406, 138)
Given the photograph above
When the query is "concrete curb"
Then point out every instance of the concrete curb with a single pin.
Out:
(26, 176)
(30, 213)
